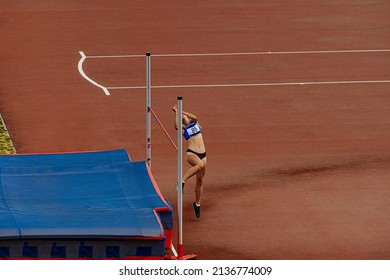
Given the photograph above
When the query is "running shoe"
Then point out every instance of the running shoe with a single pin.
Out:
(196, 210)
(182, 186)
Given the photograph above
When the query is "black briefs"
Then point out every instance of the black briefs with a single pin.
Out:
(200, 155)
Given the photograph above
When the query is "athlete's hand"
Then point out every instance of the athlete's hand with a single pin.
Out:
(174, 108)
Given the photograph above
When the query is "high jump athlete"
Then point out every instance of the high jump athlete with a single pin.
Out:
(195, 154)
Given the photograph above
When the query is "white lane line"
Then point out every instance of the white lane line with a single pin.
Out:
(81, 70)
(105, 89)
(255, 84)
(272, 53)
(117, 56)
(243, 53)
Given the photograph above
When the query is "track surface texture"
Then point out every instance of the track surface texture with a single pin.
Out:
(294, 171)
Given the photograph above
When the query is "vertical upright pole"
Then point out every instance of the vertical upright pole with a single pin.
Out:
(179, 175)
(148, 113)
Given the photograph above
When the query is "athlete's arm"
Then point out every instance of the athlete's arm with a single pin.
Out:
(174, 109)
(191, 116)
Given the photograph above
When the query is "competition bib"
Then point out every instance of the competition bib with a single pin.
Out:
(191, 130)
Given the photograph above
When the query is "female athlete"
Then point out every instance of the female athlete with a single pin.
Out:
(195, 154)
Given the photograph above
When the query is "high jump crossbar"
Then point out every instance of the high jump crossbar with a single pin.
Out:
(163, 128)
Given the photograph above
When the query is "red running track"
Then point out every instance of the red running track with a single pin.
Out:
(295, 172)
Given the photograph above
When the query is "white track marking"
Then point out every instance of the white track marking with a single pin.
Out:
(254, 84)
(117, 56)
(80, 67)
(243, 53)
(106, 89)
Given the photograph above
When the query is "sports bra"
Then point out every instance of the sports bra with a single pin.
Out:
(191, 130)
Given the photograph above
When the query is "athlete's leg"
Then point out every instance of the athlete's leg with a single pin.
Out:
(199, 182)
(196, 165)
